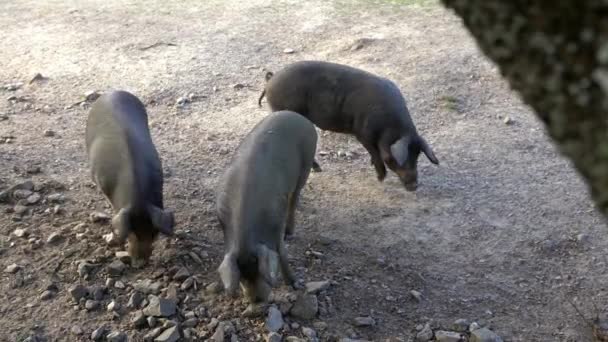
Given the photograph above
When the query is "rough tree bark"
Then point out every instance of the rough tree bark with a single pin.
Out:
(555, 54)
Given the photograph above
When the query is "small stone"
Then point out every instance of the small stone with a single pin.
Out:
(12, 268)
(214, 288)
(99, 217)
(119, 285)
(13, 86)
(99, 333)
(461, 325)
(54, 238)
(77, 330)
(416, 295)
(274, 337)
(78, 291)
(46, 295)
(274, 321)
(484, 335)
(91, 95)
(117, 336)
(447, 336)
(507, 120)
(315, 287)
(58, 198)
(474, 326)
(37, 77)
(49, 133)
(171, 293)
(21, 233)
(152, 334)
(190, 322)
(310, 333)
(181, 275)
(20, 209)
(238, 86)
(123, 256)
(113, 306)
(111, 239)
(160, 307)
(152, 321)
(182, 101)
(293, 339)
(138, 320)
(187, 284)
(135, 300)
(146, 286)
(583, 238)
(213, 323)
(169, 335)
(33, 198)
(320, 326)
(364, 321)
(305, 307)
(116, 268)
(91, 305)
(426, 334)
(288, 51)
(84, 268)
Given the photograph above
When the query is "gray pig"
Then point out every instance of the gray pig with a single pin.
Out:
(256, 202)
(343, 99)
(126, 167)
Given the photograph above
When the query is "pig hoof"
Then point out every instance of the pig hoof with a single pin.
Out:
(254, 310)
(316, 167)
(289, 237)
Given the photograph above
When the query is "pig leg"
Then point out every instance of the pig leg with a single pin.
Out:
(376, 160)
(288, 275)
(316, 167)
(291, 213)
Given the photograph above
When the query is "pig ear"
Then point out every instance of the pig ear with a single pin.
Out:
(229, 274)
(268, 264)
(424, 147)
(163, 220)
(121, 224)
(399, 150)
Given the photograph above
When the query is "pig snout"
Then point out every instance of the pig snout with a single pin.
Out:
(409, 179)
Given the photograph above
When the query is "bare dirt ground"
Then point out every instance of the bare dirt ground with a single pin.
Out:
(502, 233)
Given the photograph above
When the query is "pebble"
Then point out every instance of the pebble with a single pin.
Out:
(310, 333)
(116, 268)
(508, 120)
(426, 334)
(190, 322)
(474, 326)
(84, 268)
(46, 295)
(20, 209)
(113, 306)
(21, 233)
(320, 325)
(152, 321)
(146, 286)
(364, 321)
(91, 305)
(274, 320)
(274, 337)
(181, 101)
(13, 86)
(160, 307)
(111, 239)
(123, 256)
(416, 295)
(305, 307)
(214, 288)
(153, 334)
(59, 198)
(135, 300)
(447, 336)
(99, 333)
(139, 319)
(181, 275)
(119, 285)
(117, 336)
(77, 330)
(187, 284)
(49, 133)
(99, 217)
(315, 287)
(169, 335)
(78, 291)
(288, 51)
(54, 238)
(33, 198)
(484, 335)
(12, 268)
(461, 325)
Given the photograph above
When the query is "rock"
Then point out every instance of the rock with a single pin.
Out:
(474, 326)
(20, 209)
(46, 295)
(461, 325)
(13, 86)
(139, 319)
(37, 77)
(91, 95)
(111, 239)
(181, 275)
(315, 287)
(54, 238)
(182, 101)
(91, 305)
(274, 337)
(274, 321)
(447, 336)
(583, 238)
(12, 268)
(364, 321)
(320, 325)
(78, 291)
(426, 334)
(117, 336)
(416, 295)
(507, 120)
(288, 51)
(33, 198)
(21, 233)
(172, 293)
(187, 284)
(123, 256)
(169, 335)
(119, 285)
(77, 330)
(152, 321)
(116, 268)
(160, 307)
(305, 307)
(113, 306)
(57, 198)
(146, 286)
(214, 288)
(308, 332)
(238, 86)
(99, 333)
(484, 335)
(190, 322)
(84, 268)
(20, 194)
(135, 300)
(294, 339)
(99, 217)
(152, 334)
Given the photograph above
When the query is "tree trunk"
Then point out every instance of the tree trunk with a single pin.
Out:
(555, 54)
